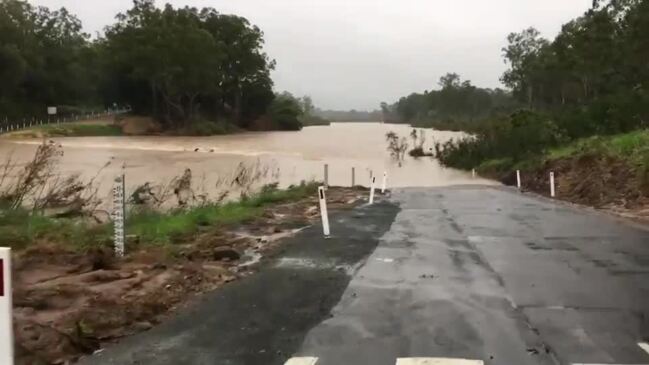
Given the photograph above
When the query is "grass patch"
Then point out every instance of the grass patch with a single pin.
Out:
(632, 146)
(163, 228)
(495, 166)
(81, 130)
(20, 228)
(70, 130)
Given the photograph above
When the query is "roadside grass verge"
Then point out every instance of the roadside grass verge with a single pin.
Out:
(631, 147)
(19, 228)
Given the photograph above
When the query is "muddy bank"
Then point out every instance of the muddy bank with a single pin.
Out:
(604, 182)
(68, 303)
(264, 318)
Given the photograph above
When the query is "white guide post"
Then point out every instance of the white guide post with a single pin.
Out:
(372, 190)
(6, 309)
(353, 177)
(323, 211)
(552, 189)
(385, 182)
(326, 175)
(518, 179)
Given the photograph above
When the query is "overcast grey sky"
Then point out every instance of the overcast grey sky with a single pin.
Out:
(356, 53)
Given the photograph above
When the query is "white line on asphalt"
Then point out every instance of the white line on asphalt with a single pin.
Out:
(302, 361)
(437, 361)
(644, 346)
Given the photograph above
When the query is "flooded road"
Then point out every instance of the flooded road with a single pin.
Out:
(295, 156)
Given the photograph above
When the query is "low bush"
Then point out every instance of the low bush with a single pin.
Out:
(208, 128)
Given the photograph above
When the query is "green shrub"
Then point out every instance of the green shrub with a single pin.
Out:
(208, 128)
(519, 136)
(81, 130)
(285, 112)
(162, 228)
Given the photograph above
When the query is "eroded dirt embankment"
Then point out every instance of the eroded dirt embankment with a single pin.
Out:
(68, 302)
(604, 182)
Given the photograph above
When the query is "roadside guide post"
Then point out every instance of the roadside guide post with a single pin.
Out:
(6, 309)
(552, 190)
(326, 175)
(372, 190)
(518, 179)
(385, 182)
(353, 177)
(323, 211)
(119, 214)
(473, 173)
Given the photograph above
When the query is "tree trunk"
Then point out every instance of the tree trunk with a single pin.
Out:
(177, 106)
(237, 106)
(154, 99)
(192, 100)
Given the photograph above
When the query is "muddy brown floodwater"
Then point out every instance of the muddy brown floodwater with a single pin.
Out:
(296, 155)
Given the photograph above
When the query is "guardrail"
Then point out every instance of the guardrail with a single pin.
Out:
(7, 126)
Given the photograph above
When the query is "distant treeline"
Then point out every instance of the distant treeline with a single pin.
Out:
(455, 105)
(592, 79)
(350, 115)
(183, 66)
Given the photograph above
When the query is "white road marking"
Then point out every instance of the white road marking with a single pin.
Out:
(302, 361)
(644, 346)
(437, 361)
(384, 260)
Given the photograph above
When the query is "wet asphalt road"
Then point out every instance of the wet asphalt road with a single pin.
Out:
(463, 272)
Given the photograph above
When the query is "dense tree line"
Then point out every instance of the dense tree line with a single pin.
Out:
(183, 66)
(45, 59)
(594, 76)
(456, 101)
(592, 79)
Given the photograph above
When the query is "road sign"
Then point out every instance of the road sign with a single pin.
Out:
(51, 110)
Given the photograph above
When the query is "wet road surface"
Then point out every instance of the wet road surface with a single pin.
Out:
(478, 273)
